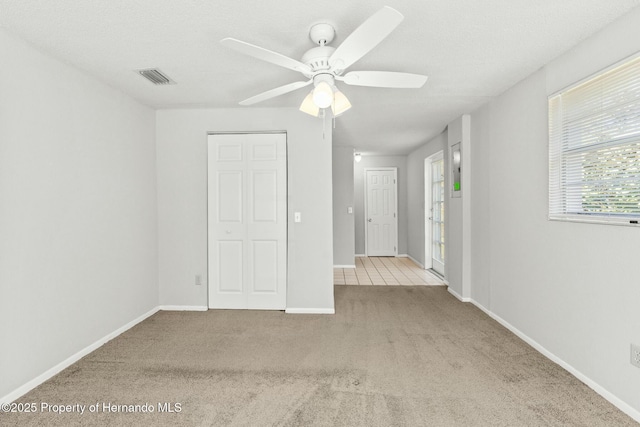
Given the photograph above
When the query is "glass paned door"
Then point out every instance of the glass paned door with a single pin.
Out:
(437, 215)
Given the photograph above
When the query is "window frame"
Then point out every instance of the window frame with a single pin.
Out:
(558, 171)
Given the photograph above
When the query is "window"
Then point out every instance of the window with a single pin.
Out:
(594, 148)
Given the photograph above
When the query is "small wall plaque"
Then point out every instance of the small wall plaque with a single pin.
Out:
(456, 168)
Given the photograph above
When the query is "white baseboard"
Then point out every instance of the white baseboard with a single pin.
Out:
(402, 256)
(418, 263)
(344, 266)
(487, 312)
(183, 308)
(310, 311)
(22, 390)
(457, 295)
(613, 399)
(360, 255)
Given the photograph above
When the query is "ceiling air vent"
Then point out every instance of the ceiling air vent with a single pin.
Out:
(156, 76)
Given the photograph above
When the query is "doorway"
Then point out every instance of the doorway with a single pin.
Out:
(434, 213)
(247, 221)
(381, 207)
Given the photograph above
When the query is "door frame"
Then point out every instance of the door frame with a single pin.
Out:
(366, 206)
(428, 206)
(287, 189)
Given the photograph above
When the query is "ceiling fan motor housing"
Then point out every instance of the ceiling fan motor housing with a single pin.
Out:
(317, 58)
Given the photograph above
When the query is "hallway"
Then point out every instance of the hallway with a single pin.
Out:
(385, 271)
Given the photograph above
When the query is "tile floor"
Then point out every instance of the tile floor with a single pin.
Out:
(385, 271)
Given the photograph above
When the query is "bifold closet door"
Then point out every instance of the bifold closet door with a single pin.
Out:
(247, 221)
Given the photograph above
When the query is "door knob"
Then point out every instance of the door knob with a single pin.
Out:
(369, 220)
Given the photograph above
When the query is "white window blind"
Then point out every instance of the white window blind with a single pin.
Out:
(594, 148)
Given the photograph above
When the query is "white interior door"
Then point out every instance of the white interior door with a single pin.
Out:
(247, 221)
(436, 214)
(381, 213)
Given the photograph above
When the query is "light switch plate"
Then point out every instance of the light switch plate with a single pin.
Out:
(297, 217)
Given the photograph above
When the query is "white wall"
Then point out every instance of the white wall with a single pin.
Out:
(182, 201)
(572, 288)
(415, 192)
(481, 218)
(458, 242)
(343, 221)
(399, 162)
(77, 212)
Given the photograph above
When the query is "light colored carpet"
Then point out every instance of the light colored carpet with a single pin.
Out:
(390, 356)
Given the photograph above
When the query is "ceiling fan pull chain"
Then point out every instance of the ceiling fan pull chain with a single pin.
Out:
(324, 121)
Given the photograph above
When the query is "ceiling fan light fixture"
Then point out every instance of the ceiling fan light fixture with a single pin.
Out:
(340, 103)
(323, 95)
(324, 64)
(309, 107)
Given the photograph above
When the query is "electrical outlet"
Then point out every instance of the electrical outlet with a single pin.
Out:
(198, 280)
(635, 355)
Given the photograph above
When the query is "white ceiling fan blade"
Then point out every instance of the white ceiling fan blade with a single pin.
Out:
(365, 37)
(384, 79)
(275, 92)
(265, 55)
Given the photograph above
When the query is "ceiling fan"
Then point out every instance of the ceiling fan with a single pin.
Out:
(324, 65)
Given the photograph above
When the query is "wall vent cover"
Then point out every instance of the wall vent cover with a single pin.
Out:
(155, 76)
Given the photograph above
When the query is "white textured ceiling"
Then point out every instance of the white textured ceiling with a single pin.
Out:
(471, 50)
